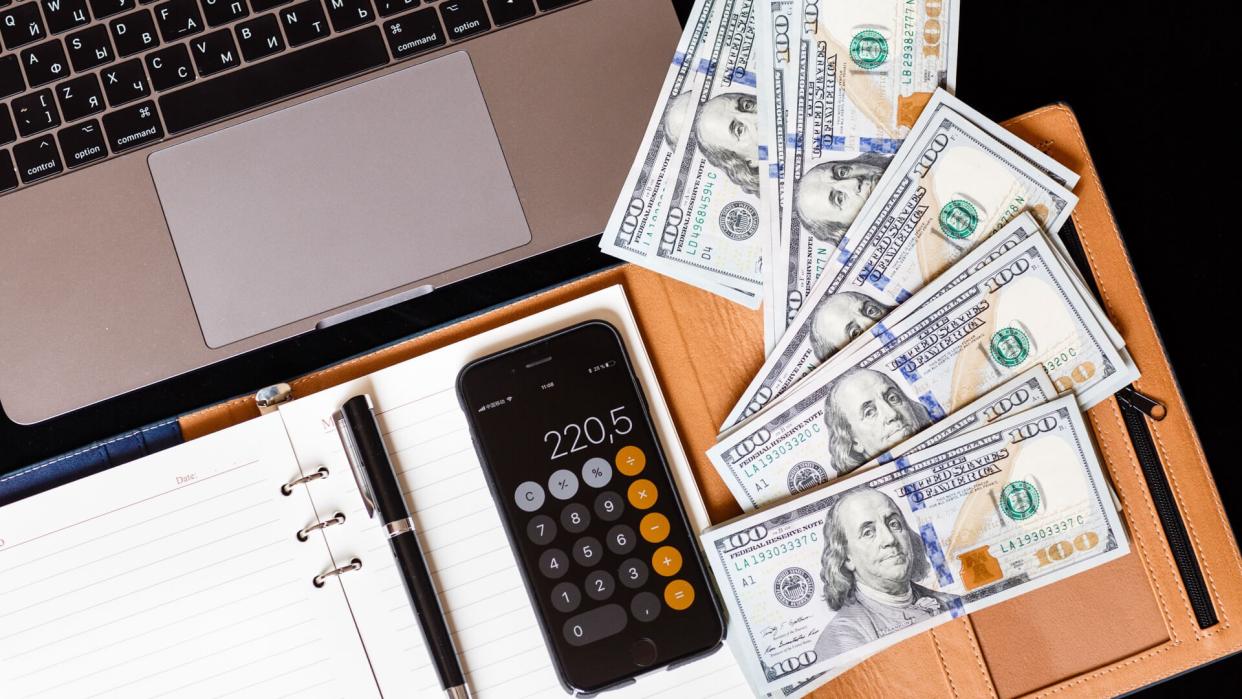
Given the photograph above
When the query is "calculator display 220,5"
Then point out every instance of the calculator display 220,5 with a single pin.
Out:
(611, 565)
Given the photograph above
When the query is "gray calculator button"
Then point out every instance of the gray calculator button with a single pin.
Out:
(645, 606)
(566, 597)
(554, 563)
(588, 627)
(596, 472)
(609, 506)
(575, 518)
(633, 573)
(588, 552)
(621, 539)
(563, 484)
(600, 585)
(529, 496)
(541, 529)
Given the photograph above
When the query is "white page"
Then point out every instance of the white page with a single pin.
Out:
(481, 588)
(178, 574)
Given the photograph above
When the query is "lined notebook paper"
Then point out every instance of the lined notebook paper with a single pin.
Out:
(176, 575)
(180, 574)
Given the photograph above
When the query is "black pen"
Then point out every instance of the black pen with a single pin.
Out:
(368, 458)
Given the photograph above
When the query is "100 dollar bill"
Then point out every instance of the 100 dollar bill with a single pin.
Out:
(775, 32)
(1020, 310)
(865, 71)
(834, 576)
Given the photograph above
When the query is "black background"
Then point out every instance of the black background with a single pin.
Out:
(1148, 82)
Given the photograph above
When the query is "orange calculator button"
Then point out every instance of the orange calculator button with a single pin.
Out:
(679, 594)
(643, 493)
(631, 460)
(666, 560)
(654, 527)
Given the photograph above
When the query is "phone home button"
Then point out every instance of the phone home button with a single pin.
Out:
(643, 652)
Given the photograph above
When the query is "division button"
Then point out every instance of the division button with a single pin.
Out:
(563, 484)
(566, 597)
(529, 496)
(621, 539)
(609, 506)
(600, 585)
(645, 606)
(631, 460)
(554, 564)
(633, 573)
(643, 493)
(575, 518)
(596, 472)
(679, 595)
(654, 527)
(541, 530)
(666, 560)
(594, 625)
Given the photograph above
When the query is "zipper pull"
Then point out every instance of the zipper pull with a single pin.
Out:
(1150, 407)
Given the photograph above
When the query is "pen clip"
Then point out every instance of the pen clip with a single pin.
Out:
(354, 457)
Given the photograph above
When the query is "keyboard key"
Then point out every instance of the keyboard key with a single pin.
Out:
(261, 5)
(107, 8)
(288, 74)
(38, 159)
(414, 33)
(132, 127)
(224, 11)
(621, 539)
(63, 15)
(654, 527)
(7, 133)
(89, 48)
(506, 11)
(347, 14)
(82, 143)
(645, 606)
(35, 112)
(609, 505)
(679, 595)
(541, 530)
(169, 67)
(553, 563)
(566, 597)
(214, 52)
(45, 63)
(304, 22)
(125, 82)
(133, 33)
(588, 551)
(8, 176)
(463, 18)
(178, 19)
(633, 573)
(21, 25)
(388, 8)
(600, 585)
(80, 97)
(259, 37)
(598, 623)
(666, 561)
(630, 460)
(553, 4)
(11, 81)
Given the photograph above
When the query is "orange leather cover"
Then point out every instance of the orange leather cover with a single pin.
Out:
(1105, 632)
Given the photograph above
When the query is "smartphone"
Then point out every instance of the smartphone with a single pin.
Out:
(610, 562)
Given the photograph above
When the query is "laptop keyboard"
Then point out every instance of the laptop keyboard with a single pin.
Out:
(85, 80)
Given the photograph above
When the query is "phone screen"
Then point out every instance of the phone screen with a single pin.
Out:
(574, 463)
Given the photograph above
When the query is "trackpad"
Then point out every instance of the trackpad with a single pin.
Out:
(338, 199)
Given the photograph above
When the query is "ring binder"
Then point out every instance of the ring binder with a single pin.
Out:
(287, 489)
(338, 518)
(319, 580)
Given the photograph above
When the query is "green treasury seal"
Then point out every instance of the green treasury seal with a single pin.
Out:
(1010, 346)
(1019, 500)
(959, 218)
(869, 49)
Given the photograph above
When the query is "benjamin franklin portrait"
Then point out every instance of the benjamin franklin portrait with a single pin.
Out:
(727, 129)
(830, 195)
(866, 413)
(676, 116)
(871, 560)
(841, 317)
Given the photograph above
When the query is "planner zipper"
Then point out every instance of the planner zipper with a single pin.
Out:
(1136, 408)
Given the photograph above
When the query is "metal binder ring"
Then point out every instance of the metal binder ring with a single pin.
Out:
(320, 579)
(338, 518)
(287, 489)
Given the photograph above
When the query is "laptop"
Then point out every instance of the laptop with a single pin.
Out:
(183, 181)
